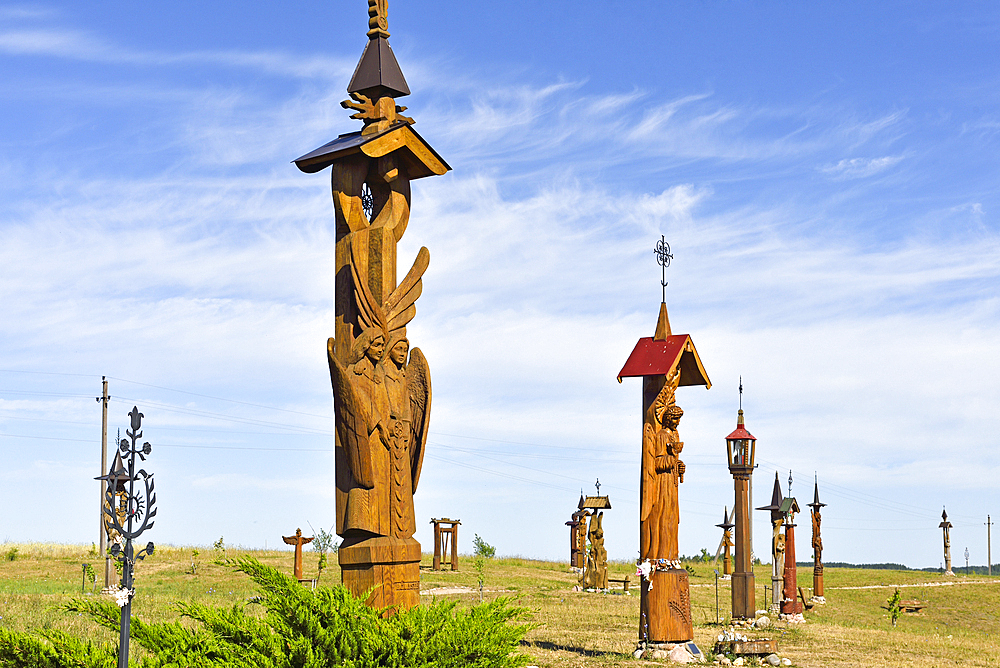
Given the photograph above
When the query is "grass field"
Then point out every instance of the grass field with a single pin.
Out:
(960, 624)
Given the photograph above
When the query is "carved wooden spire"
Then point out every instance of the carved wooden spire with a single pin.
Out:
(378, 21)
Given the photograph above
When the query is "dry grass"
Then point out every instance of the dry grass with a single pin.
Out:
(959, 626)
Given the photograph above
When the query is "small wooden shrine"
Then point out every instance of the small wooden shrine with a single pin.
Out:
(665, 362)
(595, 568)
(443, 537)
(577, 537)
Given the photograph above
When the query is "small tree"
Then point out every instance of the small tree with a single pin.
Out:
(220, 551)
(324, 542)
(894, 609)
(481, 551)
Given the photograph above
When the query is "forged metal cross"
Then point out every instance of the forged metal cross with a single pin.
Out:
(663, 258)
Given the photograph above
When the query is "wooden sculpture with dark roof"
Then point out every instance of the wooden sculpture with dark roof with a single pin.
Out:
(381, 387)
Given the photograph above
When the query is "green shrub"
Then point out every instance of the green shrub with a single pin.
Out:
(302, 628)
(481, 548)
(11, 554)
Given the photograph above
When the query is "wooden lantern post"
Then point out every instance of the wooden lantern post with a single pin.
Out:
(741, 449)
(817, 542)
(381, 386)
(665, 362)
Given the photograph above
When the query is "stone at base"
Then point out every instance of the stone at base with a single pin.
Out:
(390, 565)
(676, 652)
(665, 607)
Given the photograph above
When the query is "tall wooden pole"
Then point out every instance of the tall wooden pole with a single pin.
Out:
(989, 552)
(744, 596)
(103, 540)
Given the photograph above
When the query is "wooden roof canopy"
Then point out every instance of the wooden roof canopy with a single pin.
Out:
(663, 352)
(377, 76)
(594, 503)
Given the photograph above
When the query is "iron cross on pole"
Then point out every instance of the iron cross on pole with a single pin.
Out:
(598, 485)
(663, 258)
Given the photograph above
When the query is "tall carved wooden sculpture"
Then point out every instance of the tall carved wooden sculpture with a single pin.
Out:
(381, 388)
(727, 542)
(790, 604)
(577, 537)
(945, 526)
(665, 362)
(595, 575)
(817, 542)
(777, 546)
(741, 449)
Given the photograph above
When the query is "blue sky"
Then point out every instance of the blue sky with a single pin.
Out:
(826, 175)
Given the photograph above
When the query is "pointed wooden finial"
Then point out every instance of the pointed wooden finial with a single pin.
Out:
(378, 18)
(662, 324)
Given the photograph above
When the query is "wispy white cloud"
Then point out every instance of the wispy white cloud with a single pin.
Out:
(84, 46)
(860, 168)
(215, 275)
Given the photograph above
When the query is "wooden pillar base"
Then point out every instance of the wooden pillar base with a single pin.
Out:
(818, 582)
(392, 565)
(665, 607)
(744, 596)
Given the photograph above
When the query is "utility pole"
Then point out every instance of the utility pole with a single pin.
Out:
(989, 553)
(103, 399)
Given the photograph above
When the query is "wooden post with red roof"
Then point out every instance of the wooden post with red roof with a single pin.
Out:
(664, 361)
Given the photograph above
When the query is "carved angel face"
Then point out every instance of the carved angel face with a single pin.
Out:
(376, 349)
(398, 352)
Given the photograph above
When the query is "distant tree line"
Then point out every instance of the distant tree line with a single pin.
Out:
(971, 570)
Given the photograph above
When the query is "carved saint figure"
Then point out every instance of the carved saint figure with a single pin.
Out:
(596, 574)
(817, 541)
(662, 472)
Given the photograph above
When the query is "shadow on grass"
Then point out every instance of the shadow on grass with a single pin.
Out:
(553, 647)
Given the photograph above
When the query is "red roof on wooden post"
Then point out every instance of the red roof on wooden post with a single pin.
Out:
(659, 358)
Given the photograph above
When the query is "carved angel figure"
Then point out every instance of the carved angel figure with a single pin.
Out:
(382, 401)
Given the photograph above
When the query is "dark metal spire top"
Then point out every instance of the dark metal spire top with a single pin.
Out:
(816, 502)
(378, 74)
(789, 482)
(741, 392)
(663, 258)
(598, 485)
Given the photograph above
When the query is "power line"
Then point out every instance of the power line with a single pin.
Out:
(221, 416)
(50, 373)
(234, 401)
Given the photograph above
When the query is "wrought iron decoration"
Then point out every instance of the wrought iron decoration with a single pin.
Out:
(663, 258)
(139, 512)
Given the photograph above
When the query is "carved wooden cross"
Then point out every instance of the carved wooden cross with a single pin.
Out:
(298, 540)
